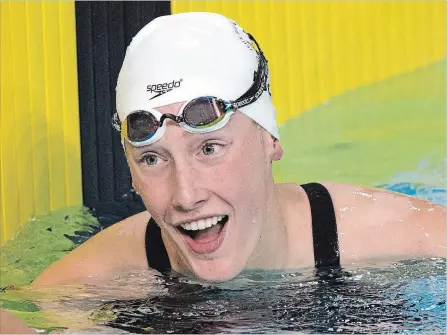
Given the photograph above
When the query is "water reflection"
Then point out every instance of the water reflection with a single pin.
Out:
(397, 297)
(392, 299)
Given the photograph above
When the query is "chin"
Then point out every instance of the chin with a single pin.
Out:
(218, 277)
(213, 271)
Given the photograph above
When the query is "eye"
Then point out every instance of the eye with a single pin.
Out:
(211, 148)
(208, 149)
(150, 160)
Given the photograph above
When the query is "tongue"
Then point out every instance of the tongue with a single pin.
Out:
(207, 235)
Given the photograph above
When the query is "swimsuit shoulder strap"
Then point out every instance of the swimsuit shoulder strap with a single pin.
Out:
(324, 226)
(157, 256)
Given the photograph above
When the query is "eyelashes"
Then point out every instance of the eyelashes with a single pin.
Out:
(209, 148)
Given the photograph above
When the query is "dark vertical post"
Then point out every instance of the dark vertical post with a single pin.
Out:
(104, 29)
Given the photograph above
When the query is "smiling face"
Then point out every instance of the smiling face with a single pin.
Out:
(211, 194)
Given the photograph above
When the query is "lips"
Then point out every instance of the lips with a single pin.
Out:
(208, 240)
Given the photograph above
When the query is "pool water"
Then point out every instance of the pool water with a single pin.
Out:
(433, 194)
(406, 296)
(402, 297)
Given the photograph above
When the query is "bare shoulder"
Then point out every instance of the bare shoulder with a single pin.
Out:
(385, 204)
(379, 223)
(120, 246)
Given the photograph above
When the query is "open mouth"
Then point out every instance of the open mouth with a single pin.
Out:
(197, 230)
(204, 235)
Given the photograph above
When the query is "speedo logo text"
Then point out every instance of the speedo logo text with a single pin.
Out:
(163, 88)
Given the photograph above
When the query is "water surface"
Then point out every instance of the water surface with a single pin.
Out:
(405, 296)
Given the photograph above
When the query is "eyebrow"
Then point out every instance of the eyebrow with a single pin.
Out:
(135, 150)
(138, 150)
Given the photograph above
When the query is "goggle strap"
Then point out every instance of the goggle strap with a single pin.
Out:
(260, 87)
(116, 123)
(255, 91)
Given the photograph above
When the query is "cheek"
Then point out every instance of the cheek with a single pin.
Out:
(240, 176)
(138, 180)
(153, 191)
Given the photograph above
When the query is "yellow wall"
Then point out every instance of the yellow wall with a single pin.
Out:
(319, 49)
(40, 167)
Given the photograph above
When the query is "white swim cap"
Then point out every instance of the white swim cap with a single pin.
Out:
(184, 56)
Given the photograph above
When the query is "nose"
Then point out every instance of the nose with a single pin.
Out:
(187, 194)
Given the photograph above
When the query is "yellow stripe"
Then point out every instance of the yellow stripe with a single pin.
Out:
(70, 108)
(40, 166)
(9, 177)
(437, 29)
(38, 106)
(22, 112)
(53, 94)
(318, 49)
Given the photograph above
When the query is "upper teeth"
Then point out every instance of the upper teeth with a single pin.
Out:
(202, 224)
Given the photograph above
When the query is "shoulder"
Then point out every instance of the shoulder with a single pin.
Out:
(121, 245)
(385, 204)
(376, 223)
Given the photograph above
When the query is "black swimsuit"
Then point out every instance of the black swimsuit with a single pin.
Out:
(324, 232)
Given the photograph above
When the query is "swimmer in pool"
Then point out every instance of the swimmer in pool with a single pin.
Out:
(199, 131)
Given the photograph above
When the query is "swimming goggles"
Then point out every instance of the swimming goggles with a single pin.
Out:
(199, 115)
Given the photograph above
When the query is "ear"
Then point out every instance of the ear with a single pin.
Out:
(277, 150)
(137, 190)
(272, 146)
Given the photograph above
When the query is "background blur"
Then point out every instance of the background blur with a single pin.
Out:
(360, 90)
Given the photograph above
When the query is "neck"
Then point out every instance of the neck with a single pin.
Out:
(272, 249)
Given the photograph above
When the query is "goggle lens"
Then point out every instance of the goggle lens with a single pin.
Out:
(141, 125)
(200, 113)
